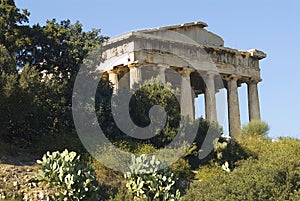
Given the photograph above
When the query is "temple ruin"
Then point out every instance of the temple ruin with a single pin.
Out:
(187, 51)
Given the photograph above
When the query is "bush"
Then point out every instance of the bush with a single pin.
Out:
(207, 172)
(275, 175)
(182, 169)
(123, 194)
(151, 93)
(229, 151)
(255, 128)
(255, 146)
(206, 133)
(58, 142)
(145, 149)
(67, 173)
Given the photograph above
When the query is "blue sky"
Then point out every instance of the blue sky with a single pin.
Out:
(271, 26)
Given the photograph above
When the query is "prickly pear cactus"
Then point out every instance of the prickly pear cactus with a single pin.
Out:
(151, 182)
(66, 172)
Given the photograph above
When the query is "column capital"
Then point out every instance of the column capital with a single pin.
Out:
(186, 71)
(253, 80)
(133, 65)
(231, 77)
(162, 66)
(210, 74)
(112, 71)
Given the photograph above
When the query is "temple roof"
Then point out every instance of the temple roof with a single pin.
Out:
(194, 32)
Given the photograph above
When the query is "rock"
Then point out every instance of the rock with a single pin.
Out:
(41, 195)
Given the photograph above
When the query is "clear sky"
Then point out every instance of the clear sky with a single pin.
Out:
(269, 25)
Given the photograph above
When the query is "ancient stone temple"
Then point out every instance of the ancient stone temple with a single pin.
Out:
(186, 52)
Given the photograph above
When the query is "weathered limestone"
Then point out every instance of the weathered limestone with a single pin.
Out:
(210, 98)
(233, 107)
(198, 55)
(253, 100)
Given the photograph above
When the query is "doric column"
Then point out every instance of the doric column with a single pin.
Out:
(210, 98)
(135, 75)
(162, 72)
(186, 98)
(113, 78)
(233, 107)
(253, 100)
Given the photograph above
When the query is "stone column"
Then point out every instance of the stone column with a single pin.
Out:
(135, 75)
(253, 100)
(233, 107)
(186, 98)
(162, 72)
(210, 98)
(113, 78)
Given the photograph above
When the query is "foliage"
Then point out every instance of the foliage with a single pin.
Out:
(150, 93)
(59, 142)
(255, 146)
(228, 153)
(38, 66)
(11, 33)
(58, 47)
(123, 194)
(7, 63)
(65, 171)
(28, 106)
(182, 169)
(275, 175)
(153, 92)
(206, 133)
(145, 149)
(148, 180)
(207, 172)
(255, 128)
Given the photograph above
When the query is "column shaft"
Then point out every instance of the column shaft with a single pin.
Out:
(233, 108)
(186, 98)
(210, 99)
(135, 75)
(162, 73)
(253, 101)
(113, 78)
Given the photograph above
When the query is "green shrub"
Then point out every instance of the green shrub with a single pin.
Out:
(255, 146)
(206, 133)
(152, 92)
(145, 149)
(254, 181)
(148, 180)
(124, 195)
(229, 151)
(207, 172)
(275, 175)
(58, 142)
(255, 128)
(66, 172)
(182, 169)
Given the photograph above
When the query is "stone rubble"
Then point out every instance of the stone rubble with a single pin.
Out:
(18, 182)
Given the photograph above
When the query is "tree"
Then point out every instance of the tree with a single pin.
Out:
(58, 47)
(11, 30)
(38, 66)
